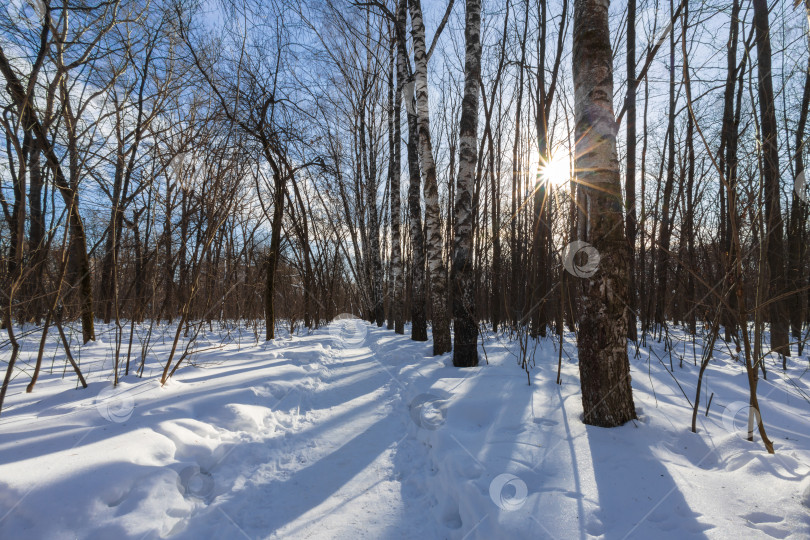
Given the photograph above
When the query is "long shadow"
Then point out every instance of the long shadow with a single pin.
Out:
(616, 487)
(230, 370)
(261, 507)
(46, 405)
(360, 360)
(362, 382)
(505, 445)
(48, 510)
(470, 448)
(144, 415)
(168, 407)
(519, 442)
(638, 498)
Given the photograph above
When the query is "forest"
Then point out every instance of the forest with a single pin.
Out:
(388, 268)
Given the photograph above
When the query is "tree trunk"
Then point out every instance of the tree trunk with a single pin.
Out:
(770, 177)
(516, 288)
(67, 190)
(374, 245)
(727, 164)
(540, 220)
(438, 292)
(798, 212)
(418, 322)
(273, 257)
(36, 236)
(465, 352)
(665, 232)
(607, 396)
(395, 148)
(630, 182)
(688, 227)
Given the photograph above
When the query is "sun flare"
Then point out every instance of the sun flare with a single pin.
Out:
(556, 171)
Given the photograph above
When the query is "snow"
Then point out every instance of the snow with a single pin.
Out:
(355, 432)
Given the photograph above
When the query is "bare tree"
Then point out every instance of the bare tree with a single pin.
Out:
(770, 178)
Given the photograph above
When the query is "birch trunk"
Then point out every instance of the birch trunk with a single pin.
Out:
(465, 352)
(395, 149)
(604, 368)
(418, 322)
(436, 267)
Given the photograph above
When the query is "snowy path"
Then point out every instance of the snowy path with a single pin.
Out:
(355, 432)
(334, 475)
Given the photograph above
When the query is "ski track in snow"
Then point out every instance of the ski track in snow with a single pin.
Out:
(365, 435)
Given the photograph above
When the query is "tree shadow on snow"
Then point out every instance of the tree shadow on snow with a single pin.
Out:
(637, 495)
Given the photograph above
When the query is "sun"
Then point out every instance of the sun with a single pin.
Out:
(556, 171)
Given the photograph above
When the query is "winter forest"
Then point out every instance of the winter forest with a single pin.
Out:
(430, 269)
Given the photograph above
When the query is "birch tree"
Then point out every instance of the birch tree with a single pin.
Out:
(395, 150)
(465, 352)
(438, 286)
(607, 397)
(418, 322)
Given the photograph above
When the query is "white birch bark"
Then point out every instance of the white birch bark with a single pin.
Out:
(465, 351)
(436, 267)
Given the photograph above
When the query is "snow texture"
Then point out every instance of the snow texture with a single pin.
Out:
(356, 432)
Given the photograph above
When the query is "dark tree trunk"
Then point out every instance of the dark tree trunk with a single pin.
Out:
(798, 218)
(727, 164)
(273, 256)
(665, 232)
(770, 176)
(630, 181)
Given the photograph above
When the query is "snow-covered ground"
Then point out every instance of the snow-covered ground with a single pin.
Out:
(355, 432)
